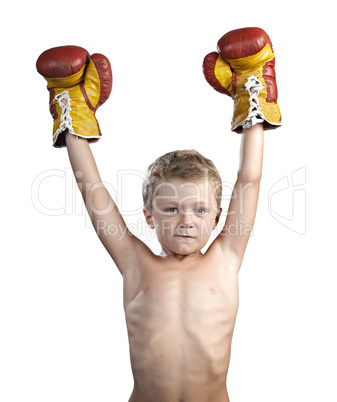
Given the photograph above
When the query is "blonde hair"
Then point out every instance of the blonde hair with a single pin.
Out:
(181, 164)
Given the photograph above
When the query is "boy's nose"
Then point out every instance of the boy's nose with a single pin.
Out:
(186, 219)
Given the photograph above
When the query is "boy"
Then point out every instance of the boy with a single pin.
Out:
(180, 306)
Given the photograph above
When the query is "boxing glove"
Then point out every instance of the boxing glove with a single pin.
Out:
(244, 69)
(78, 85)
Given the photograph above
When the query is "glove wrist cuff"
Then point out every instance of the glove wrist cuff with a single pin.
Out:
(251, 107)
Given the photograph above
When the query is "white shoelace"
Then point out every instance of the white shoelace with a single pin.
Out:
(253, 86)
(66, 119)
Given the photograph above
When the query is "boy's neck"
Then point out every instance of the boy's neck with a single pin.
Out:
(178, 257)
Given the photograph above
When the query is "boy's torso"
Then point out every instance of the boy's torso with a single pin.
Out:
(180, 317)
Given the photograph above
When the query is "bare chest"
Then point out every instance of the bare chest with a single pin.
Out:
(190, 310)
(180, 324)
(192, 286)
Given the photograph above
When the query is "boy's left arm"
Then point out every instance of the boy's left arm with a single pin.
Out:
(244, 69)
(234, 236)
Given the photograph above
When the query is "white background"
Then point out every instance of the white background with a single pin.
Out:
(63, 335)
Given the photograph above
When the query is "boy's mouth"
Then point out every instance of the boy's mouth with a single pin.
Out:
(185, 236)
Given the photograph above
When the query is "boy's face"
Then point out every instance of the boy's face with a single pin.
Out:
(183, 215)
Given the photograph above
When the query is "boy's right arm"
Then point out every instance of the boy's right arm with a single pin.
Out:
(78, 85)
(103, 212)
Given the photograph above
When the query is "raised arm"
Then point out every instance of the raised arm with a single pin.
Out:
(243, 68)
(78, 84)
(103, 212)
(242, 208)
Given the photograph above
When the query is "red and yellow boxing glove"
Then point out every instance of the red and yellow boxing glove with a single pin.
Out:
(78, 85)
(244, 69)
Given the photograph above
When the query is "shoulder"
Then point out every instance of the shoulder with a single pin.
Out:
(133, 257)
(223, 256)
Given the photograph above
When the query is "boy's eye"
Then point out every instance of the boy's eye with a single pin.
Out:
(198, 211)
(172, 210)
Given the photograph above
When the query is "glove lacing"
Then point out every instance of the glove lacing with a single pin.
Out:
(63, 100)
(253, 86)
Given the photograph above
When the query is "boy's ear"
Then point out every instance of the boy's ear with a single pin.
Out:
(216, 221)
(148, 218)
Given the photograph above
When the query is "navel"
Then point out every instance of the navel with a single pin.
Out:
(212, 290)
(147, 291)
